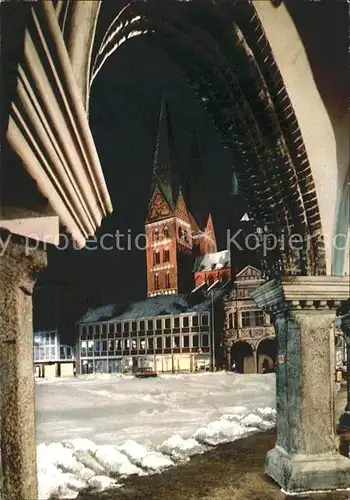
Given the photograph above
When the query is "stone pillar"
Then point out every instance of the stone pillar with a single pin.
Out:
(255, 358)
(305, 457)
(228, 356)
(19, 267)
(344, 421)
(239, 319)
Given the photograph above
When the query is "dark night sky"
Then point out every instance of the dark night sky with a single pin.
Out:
(124, 108)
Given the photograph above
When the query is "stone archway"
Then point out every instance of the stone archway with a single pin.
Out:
(266, 355)
(247, 118)
(243, 357)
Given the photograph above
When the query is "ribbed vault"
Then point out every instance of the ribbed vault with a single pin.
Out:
(226, 57)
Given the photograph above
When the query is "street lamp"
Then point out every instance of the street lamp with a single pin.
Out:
(213, 328)
(344, 421)
(211, 289)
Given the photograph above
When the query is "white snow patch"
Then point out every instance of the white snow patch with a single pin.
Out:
(118, 426)
(115, 461)
(146, 459)
(268, 414)
(221, 431)
(179, 448)
(254, 421)
(81, 444)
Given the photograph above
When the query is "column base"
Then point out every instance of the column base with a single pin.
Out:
(344, 422)
(301, 473)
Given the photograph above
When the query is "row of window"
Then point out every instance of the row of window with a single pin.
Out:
(149, 325)
(66, 352)
(45, 338)
(47, 353)
(156, 257)
(242, 293)
(157, 283)
(160, 234)
(249, 319)
(44, 353)
(89, 347)
(164, 234)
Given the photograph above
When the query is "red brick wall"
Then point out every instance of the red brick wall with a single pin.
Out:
(180, 259)
(163, 267)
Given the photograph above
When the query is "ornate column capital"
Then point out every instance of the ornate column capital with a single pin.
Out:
(302, 292)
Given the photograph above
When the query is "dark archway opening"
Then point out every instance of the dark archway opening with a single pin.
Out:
(242, 357)
(266, 355)
(124, 109)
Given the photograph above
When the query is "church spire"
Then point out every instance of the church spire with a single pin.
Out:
(195, 193)
(163, 164)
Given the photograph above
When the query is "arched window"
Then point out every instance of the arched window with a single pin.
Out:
(186, 235)
(210, 280)
(167, 280)
(156, 235)
(166, 232)
(180, 232)
(230, 320)
(156, 257)
(156, 282)
(224, 278)
(166, 255)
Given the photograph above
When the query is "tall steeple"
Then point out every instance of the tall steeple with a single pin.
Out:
(195, 193)
(164, 176)
(168, 228)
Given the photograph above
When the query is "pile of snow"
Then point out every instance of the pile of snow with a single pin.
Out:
(70, 466)
(96, 431)
(148, 460)
(181, 449)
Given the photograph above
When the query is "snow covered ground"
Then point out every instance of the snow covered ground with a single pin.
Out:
(94, 431)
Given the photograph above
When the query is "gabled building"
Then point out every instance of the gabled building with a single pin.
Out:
(178, 224)
(249, 333)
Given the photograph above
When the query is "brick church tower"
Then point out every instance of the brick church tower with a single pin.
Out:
(179, 226)
(168, 228)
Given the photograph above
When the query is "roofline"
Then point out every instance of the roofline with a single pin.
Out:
(246, 267)
(144, 318)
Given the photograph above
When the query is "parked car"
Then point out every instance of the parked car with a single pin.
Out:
(144, 372)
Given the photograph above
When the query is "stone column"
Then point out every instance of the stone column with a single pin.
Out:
(255, 358)
(228, 356)
(305, 457)
(19, 267)
(344, 421)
